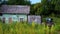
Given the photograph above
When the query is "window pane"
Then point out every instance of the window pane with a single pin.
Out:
(21, 19)
(3, 20)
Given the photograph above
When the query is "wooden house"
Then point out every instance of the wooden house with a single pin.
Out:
(13, 13)
(17, 13)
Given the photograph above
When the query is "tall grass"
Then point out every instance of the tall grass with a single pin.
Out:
(25, 28)
(56, 21)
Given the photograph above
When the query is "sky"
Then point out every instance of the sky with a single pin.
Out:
(35, 1)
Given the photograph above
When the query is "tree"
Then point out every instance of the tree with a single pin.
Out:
(19, 2)
(46, 7)
(35, 9)
(53, 6)
(57, 6)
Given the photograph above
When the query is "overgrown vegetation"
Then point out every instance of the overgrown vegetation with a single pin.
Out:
(25, 28)
(46, 8)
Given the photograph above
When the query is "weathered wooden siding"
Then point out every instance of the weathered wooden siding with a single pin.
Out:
(36, 19)
(15, 9)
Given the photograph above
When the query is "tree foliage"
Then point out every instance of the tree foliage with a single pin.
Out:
(35, 9)
(51, 6)
(47, 7)
(17, 2)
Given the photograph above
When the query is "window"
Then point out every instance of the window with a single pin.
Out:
(3, 20)
(0, 14)
(21, 19)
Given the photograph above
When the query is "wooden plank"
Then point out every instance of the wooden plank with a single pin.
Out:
(36, 19)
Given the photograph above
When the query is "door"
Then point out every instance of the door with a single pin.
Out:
(10, 20)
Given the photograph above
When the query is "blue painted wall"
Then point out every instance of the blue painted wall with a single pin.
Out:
(14, 17)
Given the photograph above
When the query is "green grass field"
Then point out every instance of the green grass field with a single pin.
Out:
(25, 28)
(19, 28)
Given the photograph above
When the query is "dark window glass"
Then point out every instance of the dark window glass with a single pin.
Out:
(3, 20)
(0, 14)
(21, 19)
